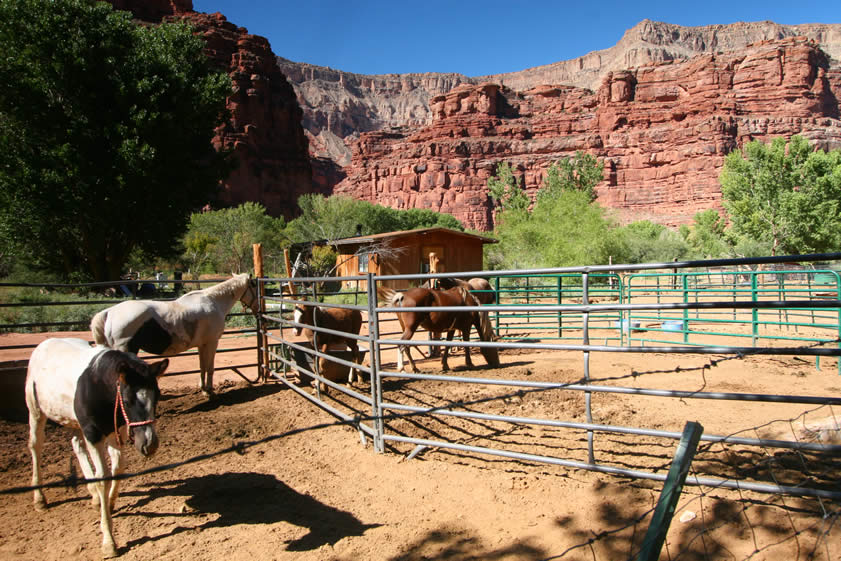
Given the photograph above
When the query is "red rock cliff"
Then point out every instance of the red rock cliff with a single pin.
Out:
(265, 129)
(663, 131)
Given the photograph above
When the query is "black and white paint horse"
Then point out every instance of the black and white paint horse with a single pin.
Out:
(111, 396)
(167, 328)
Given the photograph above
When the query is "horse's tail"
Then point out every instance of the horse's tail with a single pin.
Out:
(389, 296)
(98, 327)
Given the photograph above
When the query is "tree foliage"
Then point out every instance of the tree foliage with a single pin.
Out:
(105, 133)
(505, 190)
(647, 242)
(582, 173)
(223, 240)
(707, 237)
(784, 194)
(564, 227)
(562, 230)
(335, 217)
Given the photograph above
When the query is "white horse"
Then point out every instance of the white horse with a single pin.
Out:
(196, 319)
(111, 396)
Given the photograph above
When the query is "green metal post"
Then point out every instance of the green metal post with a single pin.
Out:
(754, 312)
(560, 302)
(665, 509)
(685, 284)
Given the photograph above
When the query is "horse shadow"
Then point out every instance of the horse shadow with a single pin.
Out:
(234, 397)
(250, 498)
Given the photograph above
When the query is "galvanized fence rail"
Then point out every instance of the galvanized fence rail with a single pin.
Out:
(57, 307)
(379, 413)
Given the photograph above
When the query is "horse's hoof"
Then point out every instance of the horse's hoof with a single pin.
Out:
(109, 550)
(40, 505)
(209, 394)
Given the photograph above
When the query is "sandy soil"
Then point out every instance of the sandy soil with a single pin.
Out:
(260, 473)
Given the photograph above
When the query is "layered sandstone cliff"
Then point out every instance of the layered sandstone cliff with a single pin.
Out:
(663, 131)
(265, 130)
(338, 106)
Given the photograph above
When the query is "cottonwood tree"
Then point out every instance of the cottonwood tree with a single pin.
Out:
(105, 134)
(582, 172)
(505, 190)
(785, 194)
(326, 219)
(223, 240)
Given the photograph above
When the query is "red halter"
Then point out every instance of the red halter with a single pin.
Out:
(119, 404)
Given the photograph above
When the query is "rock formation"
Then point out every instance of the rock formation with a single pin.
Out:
(338, 106)
(265, 129)
(663, 131)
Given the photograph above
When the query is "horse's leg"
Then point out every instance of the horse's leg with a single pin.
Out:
(207, 356)
(117, 467)
(408, 332)
(87, 470)
(37, 421)
(445, 366)
(465, 335)
(434, 350)
(353, 375)
(97, 455)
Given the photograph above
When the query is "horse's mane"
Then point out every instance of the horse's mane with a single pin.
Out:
(228, 287)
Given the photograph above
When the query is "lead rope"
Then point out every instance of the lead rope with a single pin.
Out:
(119, 404)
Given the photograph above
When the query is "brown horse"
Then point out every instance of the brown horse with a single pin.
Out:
(479, 288)
(440, 322)
(336, 319)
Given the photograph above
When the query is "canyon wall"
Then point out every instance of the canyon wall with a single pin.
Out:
(663, 131)
(265, 131)
(338, 106)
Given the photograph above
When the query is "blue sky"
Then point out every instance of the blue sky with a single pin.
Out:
(478, 37)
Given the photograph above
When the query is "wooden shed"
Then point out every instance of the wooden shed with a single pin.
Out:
(407, 252)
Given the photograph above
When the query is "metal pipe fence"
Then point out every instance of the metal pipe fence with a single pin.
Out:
(57, 307)
(571, 310)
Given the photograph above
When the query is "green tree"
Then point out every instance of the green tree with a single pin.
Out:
(105, 133)
(225, 238)
(563, 230)
(505, 190)
(582, 172)
(336, 217)
(647, 242)
(707, 236)
(784, 194)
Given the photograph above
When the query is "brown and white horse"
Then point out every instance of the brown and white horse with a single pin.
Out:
(440, 321)
(166, 328)
(111, 396)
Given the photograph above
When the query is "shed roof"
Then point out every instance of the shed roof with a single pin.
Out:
(361, 240)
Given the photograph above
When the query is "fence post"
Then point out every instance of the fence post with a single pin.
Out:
(665, 509)
(560, 302)
(499, 302)
(374, 362)
(585, 317)
(754, 312)
(262, 350)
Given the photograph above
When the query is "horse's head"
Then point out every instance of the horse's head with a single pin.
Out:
(137, 400)
(249, 296)
(303, 314)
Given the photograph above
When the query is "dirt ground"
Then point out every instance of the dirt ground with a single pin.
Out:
(260, 473)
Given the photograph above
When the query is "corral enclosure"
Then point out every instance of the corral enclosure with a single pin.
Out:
(459, 503)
